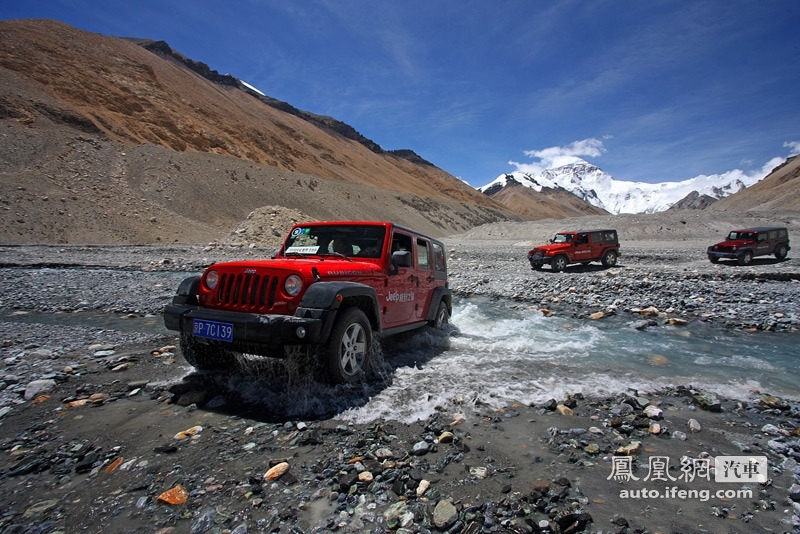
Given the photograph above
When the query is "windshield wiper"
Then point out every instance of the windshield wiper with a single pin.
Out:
(339, 254)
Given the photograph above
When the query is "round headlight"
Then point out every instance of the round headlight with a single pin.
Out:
(293, 285)
(212, 278)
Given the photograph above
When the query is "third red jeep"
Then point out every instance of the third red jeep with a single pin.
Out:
(744, 245)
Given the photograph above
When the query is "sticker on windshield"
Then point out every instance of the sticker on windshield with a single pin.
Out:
(309, 249)
(297, 231)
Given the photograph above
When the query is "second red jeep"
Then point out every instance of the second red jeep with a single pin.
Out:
(583, 246)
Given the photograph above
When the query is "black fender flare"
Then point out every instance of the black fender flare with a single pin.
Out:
(187, 291)
(440, 294)
(324, 299)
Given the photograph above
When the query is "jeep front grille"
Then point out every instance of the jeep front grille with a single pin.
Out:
(247, 291)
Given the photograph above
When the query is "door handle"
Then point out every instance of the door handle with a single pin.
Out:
(413, 278)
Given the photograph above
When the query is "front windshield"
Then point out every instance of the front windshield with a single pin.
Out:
(739, 235)
(562, 238)
(338, 239)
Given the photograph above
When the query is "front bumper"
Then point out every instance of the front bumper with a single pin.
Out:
(720, 255)
(538, 259)
(307, 327)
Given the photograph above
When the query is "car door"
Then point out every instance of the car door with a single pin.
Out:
(398, 298)
(763, 244)
(425, 277)
(582, 250)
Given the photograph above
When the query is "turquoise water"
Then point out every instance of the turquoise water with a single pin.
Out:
(498, 353)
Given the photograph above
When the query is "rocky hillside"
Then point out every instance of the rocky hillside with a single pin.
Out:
(780, 190)
(109, 140)
(549, 203)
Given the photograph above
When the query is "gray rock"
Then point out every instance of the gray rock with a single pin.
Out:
(707, 401)
(421, 448)
(38, 387)
(445, 514)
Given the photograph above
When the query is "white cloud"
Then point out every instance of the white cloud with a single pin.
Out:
(558, 156)
(793, 146)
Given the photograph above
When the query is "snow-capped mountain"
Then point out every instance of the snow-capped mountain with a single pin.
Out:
(600, 189)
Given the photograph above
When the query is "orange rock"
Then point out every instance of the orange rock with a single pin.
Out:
(188, 432)
(174, 496)
(630, 449)
(98, 398)
(564, 410)
(276, 471)
(113, 465)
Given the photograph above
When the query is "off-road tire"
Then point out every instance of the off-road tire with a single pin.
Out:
(745, 258)
(609, 259)
(559, 263)
(347, 353)
(781, 252)
(206, 356)
(442, 317)
(536, 266)
(713, 259)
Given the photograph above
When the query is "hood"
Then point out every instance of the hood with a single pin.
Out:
(326, 266)
(735, 242)
(552, 247)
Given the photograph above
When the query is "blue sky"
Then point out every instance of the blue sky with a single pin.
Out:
(648, 90)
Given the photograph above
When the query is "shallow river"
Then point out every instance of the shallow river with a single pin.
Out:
(498, 352)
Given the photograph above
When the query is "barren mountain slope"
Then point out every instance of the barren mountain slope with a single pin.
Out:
(104, 141)
(547, 204)
(780, 190)
(61, 186)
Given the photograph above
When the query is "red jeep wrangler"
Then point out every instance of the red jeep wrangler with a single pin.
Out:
(329, 288)
(583, 246)
(744, 245)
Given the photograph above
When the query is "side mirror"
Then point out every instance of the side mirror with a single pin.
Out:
(400, 258)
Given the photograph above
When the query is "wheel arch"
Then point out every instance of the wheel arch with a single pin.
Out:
(440, 294)
(341, 295)
(187, 291)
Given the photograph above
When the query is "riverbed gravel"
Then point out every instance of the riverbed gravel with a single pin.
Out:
(106, 429)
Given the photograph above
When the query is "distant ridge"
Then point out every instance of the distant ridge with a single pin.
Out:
(780, 190)
(325, 122)
(544, 203)
(598, 188)
(124, 140)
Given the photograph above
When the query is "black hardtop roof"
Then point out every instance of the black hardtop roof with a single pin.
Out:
(586, 231)
(369, 223)
(760, 229)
